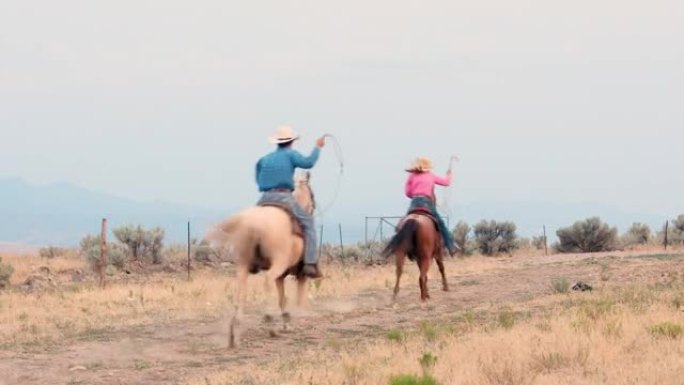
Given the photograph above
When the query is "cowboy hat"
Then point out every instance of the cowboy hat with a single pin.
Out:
(420, 164)
(283, 134)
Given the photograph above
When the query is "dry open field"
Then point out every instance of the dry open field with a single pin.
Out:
(502, 323)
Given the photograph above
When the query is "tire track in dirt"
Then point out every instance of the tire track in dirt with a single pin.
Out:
(169, 354)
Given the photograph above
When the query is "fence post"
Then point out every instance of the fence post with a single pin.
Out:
(188, 250)
(667, 225)
(341, 245)
(103, 252)
(546, 251)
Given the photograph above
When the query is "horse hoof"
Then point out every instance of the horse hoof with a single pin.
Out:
(445, 288)
(272, 333)
(287, 317)
(268, 318)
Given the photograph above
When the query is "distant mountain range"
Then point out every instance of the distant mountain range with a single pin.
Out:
(61, 214)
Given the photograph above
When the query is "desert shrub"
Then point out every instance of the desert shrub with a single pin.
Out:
(538, 242)
(90, 248)
(427, 362)
(638, 234)
(523, 243)
(143, 245)
(560, 285)
(202, 251)
(668, 329)
(678, 223)
(6, 271)
(495, 237)
(675, 232)
(409, 379)
(396, 335)
(362, 252)
(461, 234)
(51, 252)
(590, 235)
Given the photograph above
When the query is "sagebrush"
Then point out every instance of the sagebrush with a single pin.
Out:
(492, 237)
(6, 271)
(589, 235)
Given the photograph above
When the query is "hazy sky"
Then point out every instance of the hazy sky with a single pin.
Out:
(563, 101)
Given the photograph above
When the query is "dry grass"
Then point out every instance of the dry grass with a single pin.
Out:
(628, 330)
(72, 310)
(25, 265)
(614, 338)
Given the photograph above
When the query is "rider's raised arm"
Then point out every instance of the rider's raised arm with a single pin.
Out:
(301, 161)
(443, 181)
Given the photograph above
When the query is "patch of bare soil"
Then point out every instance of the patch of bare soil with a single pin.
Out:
(172, 353)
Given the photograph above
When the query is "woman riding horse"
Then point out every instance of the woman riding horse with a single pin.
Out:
(420, 187)
(417, 237)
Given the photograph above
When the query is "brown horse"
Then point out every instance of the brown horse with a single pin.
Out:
(266, 238)
(417, 237)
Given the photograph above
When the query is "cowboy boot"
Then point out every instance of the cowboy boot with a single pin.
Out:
(311, 270)
(454, 249)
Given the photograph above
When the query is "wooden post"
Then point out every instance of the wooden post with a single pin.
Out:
(103, 252)
(188, 250)
(667, 224)
(546, 251)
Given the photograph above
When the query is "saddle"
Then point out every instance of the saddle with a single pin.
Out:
(418, 211)
(296, 227)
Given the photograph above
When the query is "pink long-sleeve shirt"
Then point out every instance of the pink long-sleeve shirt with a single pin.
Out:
(424, 183)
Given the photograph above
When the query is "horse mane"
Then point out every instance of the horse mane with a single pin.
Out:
(302, 183)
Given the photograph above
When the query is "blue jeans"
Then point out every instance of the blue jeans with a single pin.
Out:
(426, 203)
(305, 220)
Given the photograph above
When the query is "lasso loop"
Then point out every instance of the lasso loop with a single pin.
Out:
(447, 191)
(338, 154)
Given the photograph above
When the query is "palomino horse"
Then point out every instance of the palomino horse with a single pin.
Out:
(418, 238)
(266, 238)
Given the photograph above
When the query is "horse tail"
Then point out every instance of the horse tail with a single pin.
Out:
(222, 231)
(404, 238)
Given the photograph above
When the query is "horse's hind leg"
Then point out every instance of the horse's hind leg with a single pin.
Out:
(440, 265)
(234, 334)
(282, 300)
(301, 291)
(424, 261)
(400, 258)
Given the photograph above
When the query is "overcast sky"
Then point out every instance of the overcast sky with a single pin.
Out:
(561, 101)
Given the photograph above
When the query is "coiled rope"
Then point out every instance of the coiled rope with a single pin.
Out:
(340, 159)
(446, 192)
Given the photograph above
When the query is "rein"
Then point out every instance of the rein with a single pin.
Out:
(340, 159)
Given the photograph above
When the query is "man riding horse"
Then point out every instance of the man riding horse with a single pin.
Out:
(419, 188)
(275, 179)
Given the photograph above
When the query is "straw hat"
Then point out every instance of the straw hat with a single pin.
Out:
(283, 134)
(421, 164)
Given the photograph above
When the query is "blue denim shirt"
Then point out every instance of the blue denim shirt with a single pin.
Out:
(276, 169)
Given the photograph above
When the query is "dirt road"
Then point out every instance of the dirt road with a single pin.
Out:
(173, 353)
